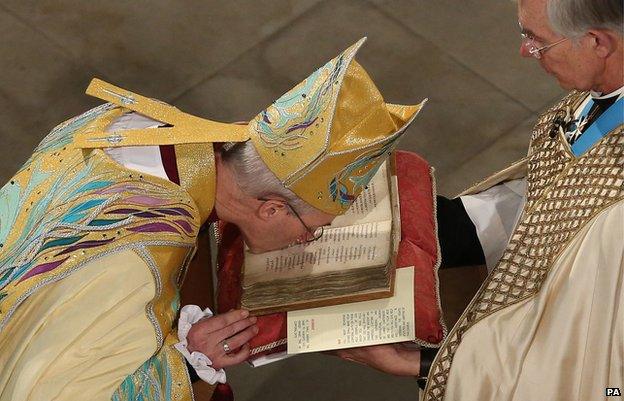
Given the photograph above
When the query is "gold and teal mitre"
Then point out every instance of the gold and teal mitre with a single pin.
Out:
(325, 138)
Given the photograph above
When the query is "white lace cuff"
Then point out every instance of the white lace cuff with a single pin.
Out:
(189, 315)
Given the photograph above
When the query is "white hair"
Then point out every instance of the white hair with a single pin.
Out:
(256, 180)
(573, 18)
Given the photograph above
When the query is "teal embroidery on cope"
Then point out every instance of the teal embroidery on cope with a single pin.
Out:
(152, 381)
(282, 125)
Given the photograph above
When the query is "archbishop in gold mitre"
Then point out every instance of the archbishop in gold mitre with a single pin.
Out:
(99, 226)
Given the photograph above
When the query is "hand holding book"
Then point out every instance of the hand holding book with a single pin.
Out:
(397, 359)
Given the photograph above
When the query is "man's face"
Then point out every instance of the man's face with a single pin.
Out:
(276, 226)
(574, 65)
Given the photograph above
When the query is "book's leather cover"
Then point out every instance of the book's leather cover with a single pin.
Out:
(418, 247)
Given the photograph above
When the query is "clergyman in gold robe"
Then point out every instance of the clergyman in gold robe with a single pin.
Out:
(547, 323)
(98, 227)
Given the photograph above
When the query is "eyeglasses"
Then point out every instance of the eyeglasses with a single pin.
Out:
(311, 235)
(533, 46)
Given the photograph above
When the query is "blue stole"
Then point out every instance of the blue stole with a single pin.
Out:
(608, 120)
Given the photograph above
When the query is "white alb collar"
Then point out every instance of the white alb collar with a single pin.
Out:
(598, 95)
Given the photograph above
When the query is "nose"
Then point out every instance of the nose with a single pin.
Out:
(307, 236)
(302, 238)
(524, 50)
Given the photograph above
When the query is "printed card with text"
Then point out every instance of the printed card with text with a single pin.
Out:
(380, 321)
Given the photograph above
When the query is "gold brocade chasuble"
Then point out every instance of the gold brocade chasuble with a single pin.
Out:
(92, 257)
(547, 323)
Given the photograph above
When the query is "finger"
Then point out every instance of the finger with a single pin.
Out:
(242, 337)
(340, 353)
(233, 329)
(410, 357)
(237, 357)
(348, 356)
(225, 319)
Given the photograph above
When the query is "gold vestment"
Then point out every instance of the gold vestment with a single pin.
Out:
(547, 323)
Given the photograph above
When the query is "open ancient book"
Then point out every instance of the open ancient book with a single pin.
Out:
(353, 261)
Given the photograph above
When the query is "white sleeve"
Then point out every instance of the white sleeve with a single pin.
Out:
(145, 159)
(495, 213)
(189, 315)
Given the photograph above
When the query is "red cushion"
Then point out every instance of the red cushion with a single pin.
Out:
(419, 243)
(418, 248)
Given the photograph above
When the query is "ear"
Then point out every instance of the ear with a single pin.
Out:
(604, 42)
(271, 209)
